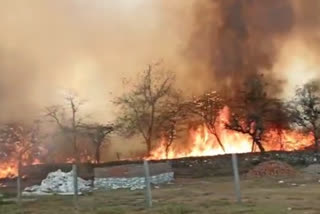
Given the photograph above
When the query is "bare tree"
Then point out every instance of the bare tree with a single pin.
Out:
(143, 106)
(169, 134)
(253, 111)
(304, 110)
(208, 107)
(172, 115)
(71, 125)
(97, 133)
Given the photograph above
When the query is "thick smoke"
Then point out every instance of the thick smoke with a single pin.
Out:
(85, 46)
(89, 46)
(237, 39)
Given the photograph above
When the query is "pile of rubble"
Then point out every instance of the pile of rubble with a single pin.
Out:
(271, 169)
(60, 183)
(132, 183)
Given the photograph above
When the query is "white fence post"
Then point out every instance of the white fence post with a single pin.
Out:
(148, 186)
(236, 177)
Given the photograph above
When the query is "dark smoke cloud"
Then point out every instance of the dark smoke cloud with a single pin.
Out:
(89, 45)
(47, 45)
(237, 39)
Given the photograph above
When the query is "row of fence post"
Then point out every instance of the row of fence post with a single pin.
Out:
(148, 193)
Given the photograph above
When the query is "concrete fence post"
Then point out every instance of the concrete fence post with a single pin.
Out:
(236, 177)
(75, 185)
(148, 185)
(19, 184)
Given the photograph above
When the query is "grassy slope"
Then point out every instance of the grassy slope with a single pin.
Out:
(211, 195)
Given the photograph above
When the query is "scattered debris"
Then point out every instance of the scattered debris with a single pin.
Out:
(60, 183)
(281, 182)
(272, 169)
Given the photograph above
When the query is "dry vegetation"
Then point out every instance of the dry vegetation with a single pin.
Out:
(211, 195)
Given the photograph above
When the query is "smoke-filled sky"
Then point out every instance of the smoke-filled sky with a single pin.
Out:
(89, 46)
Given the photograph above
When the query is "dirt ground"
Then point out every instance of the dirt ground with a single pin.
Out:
(295, 195)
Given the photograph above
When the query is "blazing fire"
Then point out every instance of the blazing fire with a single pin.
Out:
(200, 143)
(9, 169)
(203, 143)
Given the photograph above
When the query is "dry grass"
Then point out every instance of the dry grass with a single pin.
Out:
(194, 196)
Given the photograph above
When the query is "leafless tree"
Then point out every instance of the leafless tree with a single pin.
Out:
(97, 133)
(169, 134)
(208, 107)
(171, 116)
(304, 110)
(142, 107)
(68, 125)
(253, 111)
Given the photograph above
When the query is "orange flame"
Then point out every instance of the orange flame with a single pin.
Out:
(203, 143)
(8, 170)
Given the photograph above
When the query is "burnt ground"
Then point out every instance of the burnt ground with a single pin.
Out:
(297, 195)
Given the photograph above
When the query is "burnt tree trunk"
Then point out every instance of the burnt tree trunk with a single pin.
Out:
(316, 141)
(169, 143)
(97, 154)
(75, 148)
(150, 130)
(219, 141)
(148, 144)
(118, 156)
(167, 151)
(213, 131)
(253, 146)
(74, 132)
(259, 144)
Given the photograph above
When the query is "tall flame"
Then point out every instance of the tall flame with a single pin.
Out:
(203, 143)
